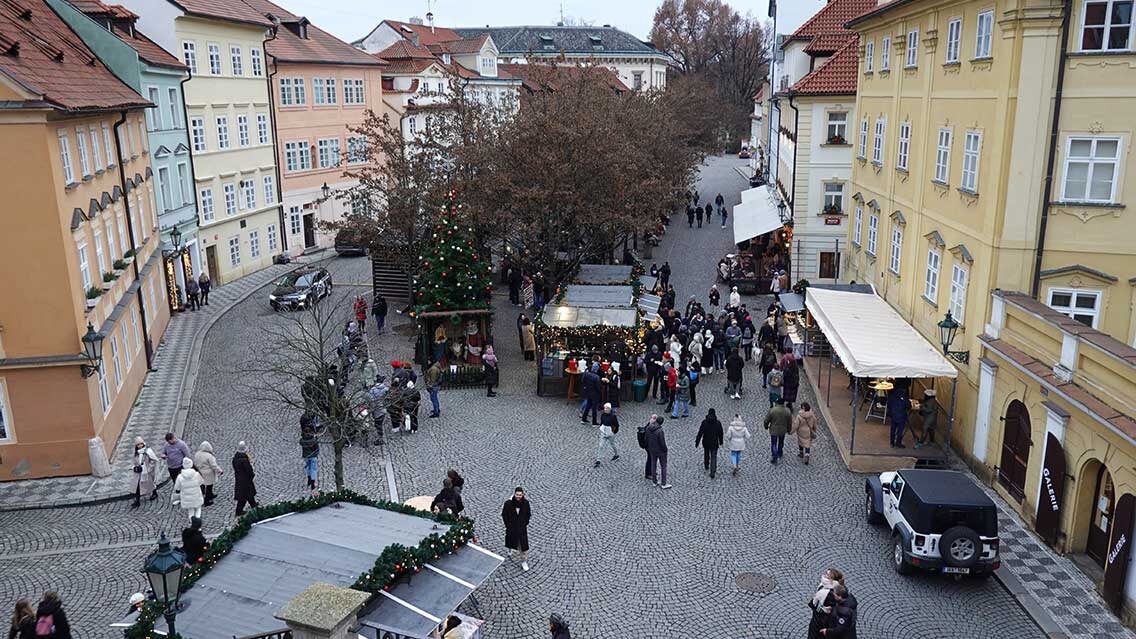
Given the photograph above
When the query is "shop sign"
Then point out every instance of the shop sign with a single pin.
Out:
(1052, 491)
(832, 221)
(1119, 548)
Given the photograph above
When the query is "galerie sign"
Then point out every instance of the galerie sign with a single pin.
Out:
(1052, 491)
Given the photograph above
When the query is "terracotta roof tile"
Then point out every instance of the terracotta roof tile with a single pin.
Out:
(123, 22)
(426, 35)
(319, 47)
(832, 17)
(409, 67)
(827, 43)
(836, 75)
(404, 50)
(52, 62)
(234, 10)
(538, 77)
(459, 47)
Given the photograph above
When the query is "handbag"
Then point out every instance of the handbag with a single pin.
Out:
(138, 468)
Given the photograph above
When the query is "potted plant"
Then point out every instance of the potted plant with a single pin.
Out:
(108, 280)
(832, 209)
(93, 295)
(119, 265)
(128, 256)
(837, 139)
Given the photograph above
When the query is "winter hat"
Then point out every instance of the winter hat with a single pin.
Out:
(242, 447)
(187, 463)
(138, 440)
(205, 447)
(395, 363)
(615, 367)
(137, 598)
(930, 392)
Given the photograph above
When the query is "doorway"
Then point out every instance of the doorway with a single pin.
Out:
(309, 230)
(211, 261)
(828, 266)
(1100, 524)
(1016, 445)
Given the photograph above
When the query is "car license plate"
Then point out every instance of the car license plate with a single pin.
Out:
(956, 571)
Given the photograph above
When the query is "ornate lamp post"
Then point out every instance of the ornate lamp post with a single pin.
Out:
(163, 569)
(175, 239)
(92, 351)
(948, 327)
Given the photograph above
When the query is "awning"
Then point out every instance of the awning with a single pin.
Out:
(750, 195)
(599, 296)
(649, 304)
(792, 302)
(757, 216)
(604, 274)
(574, 317)
(871, 339)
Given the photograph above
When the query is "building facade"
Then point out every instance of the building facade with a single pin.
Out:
(81, 245)
(230, 127)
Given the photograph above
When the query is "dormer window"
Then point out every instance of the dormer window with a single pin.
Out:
(446, 58)
(597, 43)
(407, 29)
(546, 43)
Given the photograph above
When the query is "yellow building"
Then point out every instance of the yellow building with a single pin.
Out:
(79, 249)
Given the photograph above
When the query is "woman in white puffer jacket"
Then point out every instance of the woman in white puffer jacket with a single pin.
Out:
(187, 489)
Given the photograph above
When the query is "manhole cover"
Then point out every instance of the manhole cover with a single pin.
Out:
(756, 582)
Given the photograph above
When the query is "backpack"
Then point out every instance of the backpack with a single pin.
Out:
(641, 436)
(45, 626)
(776, 378)
(693, 375)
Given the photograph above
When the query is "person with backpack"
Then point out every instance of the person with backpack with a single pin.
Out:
(767, 362)
(736, 436)
(775, 381)
(710, 436)
(609, 426)
(51, 620)
(23, 621)
(779, 421)
(693, 375)
(657, 452)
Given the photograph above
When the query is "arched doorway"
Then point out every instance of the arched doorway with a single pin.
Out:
(1016, 443)
(1100, 523)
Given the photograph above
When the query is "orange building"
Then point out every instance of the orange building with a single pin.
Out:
(78, 247)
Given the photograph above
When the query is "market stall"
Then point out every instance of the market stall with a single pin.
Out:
(457, 339)
(604, 274)
(763, 243)
(567, 335)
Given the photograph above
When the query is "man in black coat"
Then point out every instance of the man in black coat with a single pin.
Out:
(665, 274)
(591, 389)
(193, 542)
(734, 366)
(690, 217)
(842, 620)
(657, 452)
(710, 435)
(244, 490)
(379, 311)
(516, 514)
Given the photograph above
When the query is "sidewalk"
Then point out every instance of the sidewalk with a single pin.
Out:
(160, 408)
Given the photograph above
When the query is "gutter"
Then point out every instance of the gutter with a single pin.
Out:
(276, 141)
(133, 246)
(1051, 156)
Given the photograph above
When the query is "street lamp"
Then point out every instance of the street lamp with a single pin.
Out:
(326, 191)
(175, 238)
(948, 327)
(163, 569)
(92, 351)
(781, 210)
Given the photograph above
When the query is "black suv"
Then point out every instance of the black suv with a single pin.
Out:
(348, 241)
(300, 288)
(940, 520)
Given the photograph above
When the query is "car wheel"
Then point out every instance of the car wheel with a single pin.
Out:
(897, 560)
(870, 508)
(960, 547)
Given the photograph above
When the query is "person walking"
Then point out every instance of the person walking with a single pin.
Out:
(719, 201)
(379, 312)
(51, 620)
(709, 212)
(411, 400)
(690, 217)
(822, 601)
(174, 452)
(671, 373)
(736, 436)
(193, 542)
(205, 463)
(192, 292)
(188, 490)
(841, 621)
(778, 422)
(609, 426)
(707, 361)
(144, 479)
(528, 339)
(747, 342)
(590, 382)
(23, 624)
(897, 408)
(492, 370)
(775, 382)
(244, 489)
(682, 394)
(710, 437)
(558, 627)
(516, 514)
(734, 365)
(448, 500)
(665, 275)
(433, 385)
(360, 309)
(309, 451)
(768, 362)
(929, 413)
(723, 212)
(805, 427)
(657, 452)
(790, 381)
(698, 216)
(204, 284)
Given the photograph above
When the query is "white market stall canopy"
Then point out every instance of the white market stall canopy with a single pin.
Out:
(871, 339)
(604, 274)
(574, 317)
(599, 296)
(756, 215)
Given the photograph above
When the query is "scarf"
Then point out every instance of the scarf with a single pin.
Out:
(825, 586)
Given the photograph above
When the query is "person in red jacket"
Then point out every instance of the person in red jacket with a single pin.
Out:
(360, 309)
(672, 384)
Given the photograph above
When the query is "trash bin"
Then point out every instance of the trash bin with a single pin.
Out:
(640, 387)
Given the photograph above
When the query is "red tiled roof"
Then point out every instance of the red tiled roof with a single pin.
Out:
(149, 51)
(233, 10)
(831, 18)
(538, 77)
(410, 67)
(835, 76)
(319, 47)
(46, 58)
(426, 35)
(404, 50)
(459, 47)
(122, 20)
(827, 43)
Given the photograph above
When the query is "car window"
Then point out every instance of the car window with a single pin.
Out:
(983, 521)
(897, 485)
(305, 280)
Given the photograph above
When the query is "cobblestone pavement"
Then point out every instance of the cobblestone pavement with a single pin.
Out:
(615, 555)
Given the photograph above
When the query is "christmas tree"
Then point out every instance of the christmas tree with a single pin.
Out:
(453, 274)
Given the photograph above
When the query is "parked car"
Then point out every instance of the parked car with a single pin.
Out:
(300, 288)
(351, 242)
(941, 521)
(744, 153)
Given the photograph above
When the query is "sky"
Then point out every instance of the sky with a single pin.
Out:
(353, 19)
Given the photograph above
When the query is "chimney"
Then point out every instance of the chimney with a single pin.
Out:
(430, 20)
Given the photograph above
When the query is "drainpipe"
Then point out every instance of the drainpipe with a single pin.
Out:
(1051, 157)
(192, 164)
(275, 138)
(793, 182)
(133, 246)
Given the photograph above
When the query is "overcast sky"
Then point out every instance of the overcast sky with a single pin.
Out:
(353, 19)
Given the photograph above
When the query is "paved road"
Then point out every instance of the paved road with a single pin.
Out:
(615, 555)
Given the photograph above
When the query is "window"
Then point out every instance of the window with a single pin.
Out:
(175, 108)
(833, 197)
(242, 130)
(863, 139)
(292, 91)
(254, 244)
(328, 153)
(269, 189)
(294, 219)
(154, 114)
(885, 53)
(869, 54)
(931, 281)
(959, 273)
(896, 248)
(126, 344)
(237, 58)
(297, 156)
(904, 145)
(943, 157)
(323, 90)
(1083, 306)
(84, 266)
(222, 132)
(873, 232)
(96, 150)
(197, 133)
(1107, 25)
(100, 254)
(123, 242)
(353, 92)
(137, 333)
(1090, 169)
(114, 360)
(912, 49)
(356, 150)
(108, 144)
(257, 62)
(971, 147)
(954, 33)
(205, 201)
(857, 223)
(413, 125)
(164, 185)
(183, 182)
(189, 56)
(637, 80)
(235, 251)
(215, 59)
(230, 199)
(248, 192)
(837, 127)
(878, 141)
(271, 233)
(104, 392)
(262, 128)
(65, 158)
(84, 157)
(130, 140)
(984, 35)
